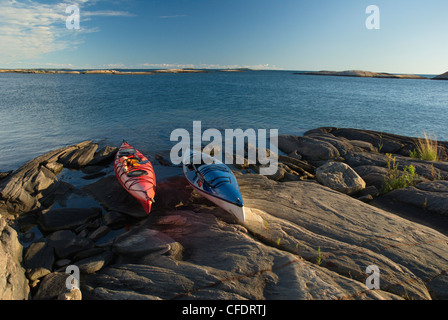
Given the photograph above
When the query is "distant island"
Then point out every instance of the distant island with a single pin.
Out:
(99, 71)
(117, 72)
(443, 76)
(364, 74)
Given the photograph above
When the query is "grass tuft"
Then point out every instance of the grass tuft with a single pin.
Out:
(395, 178)
(319, 257)
(426, 149)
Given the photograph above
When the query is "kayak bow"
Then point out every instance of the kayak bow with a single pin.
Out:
(215, 181)
(136, 174)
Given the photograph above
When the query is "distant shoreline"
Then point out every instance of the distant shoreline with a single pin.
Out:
(346, 73)
(370, 74)
(363, 74)
(116, 72)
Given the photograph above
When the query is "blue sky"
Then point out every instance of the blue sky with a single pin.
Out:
(263, 34)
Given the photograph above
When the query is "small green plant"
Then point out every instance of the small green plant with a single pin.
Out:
(380, 142)
(435, 173)
(396, 178)
(413, 154)
(425, 203)
(266, 225)
(319, 257)
(426, 149)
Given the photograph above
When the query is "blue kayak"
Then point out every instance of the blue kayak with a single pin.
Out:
(215, 181)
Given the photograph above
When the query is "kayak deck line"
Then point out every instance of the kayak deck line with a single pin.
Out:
(138, 180)
(215, 181)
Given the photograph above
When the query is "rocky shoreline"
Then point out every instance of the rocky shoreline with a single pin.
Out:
(311, 229)
(363, 74)
(443, 76)
(347, 73)
(114, 72)
(370, 74)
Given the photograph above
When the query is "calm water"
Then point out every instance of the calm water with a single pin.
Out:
(39, 113)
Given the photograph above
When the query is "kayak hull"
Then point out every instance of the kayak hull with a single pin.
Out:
(215, 181)
(237, 211)
(138, 180)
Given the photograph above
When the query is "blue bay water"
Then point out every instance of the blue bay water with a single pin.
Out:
(39, 113)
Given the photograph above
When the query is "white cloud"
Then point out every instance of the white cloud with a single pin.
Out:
(113, 66)
(204, 66)
(29, 29)
(238, 66)
(107, 13)
(165, 66)
(173, 16)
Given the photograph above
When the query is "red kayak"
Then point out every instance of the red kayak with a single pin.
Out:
(136, 175)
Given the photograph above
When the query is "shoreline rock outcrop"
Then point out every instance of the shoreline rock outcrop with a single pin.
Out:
(443, 76)
(13, 283)
(363, 74)
(33, 185)
(108, 71)
(365, 151)
(302, 238)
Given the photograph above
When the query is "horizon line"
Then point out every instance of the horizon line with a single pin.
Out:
(183, 67)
